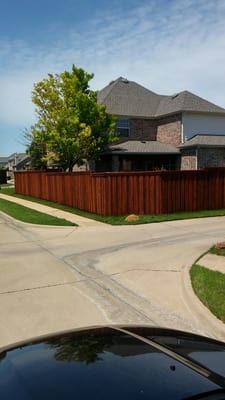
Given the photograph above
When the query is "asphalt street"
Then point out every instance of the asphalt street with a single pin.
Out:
(58, 278)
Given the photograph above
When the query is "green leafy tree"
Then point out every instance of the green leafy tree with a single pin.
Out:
(71, 127)
(85, 348)
(36, 149)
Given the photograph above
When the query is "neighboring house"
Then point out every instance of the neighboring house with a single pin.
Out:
(152, 127)
(3, 162)
(15, 162)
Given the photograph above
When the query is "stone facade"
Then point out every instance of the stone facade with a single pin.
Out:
(211, 157)
(169, 130)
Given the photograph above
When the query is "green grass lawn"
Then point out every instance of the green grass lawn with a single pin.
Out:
(25, 214)
(209, 286)
(120, 220)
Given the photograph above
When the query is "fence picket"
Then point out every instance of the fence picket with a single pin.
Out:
(117, 193)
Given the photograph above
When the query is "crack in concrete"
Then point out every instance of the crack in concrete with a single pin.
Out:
(137, 305)
(144, 270)
(40, 287)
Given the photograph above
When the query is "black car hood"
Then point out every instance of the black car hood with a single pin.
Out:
(114, 363)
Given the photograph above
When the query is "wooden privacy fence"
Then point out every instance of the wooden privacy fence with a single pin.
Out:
(122, 193)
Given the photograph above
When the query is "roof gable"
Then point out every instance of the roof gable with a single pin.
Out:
(186, 102)
(127, 98)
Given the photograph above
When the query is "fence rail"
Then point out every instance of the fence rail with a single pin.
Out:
(121, 193)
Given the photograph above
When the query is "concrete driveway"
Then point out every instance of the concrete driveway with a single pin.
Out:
(54, 279)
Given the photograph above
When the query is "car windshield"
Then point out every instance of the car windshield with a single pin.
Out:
(99, 365)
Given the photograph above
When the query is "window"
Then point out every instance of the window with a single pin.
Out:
(122, 127)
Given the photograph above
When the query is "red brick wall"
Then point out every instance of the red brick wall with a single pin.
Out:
(169, 130)
(188, 160)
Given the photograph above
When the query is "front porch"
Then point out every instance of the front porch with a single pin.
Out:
(135, 155)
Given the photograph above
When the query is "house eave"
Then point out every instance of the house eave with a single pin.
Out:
(117, 152)
(202, 146)
(150, 117)
(212, 113)
(164, 115)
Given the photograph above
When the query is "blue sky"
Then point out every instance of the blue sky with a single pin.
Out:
(167, 46)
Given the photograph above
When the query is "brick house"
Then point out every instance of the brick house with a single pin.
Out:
(154, 130)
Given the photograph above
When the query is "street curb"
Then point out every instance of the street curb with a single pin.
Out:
(18, 222)
(199, 311)
(55, 212)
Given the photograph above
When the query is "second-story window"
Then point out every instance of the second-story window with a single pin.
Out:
(123, 127)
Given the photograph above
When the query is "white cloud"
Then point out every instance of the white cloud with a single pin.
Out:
(166, 46)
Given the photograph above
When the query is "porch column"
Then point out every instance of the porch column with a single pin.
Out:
(115, 163)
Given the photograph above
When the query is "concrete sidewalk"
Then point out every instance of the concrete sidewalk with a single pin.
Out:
(76, 219)
(58, 278)
(213, 262)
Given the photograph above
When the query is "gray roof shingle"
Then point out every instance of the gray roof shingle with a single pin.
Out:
(186, 101)
(205, 141)
(127, 98)
(147, 147)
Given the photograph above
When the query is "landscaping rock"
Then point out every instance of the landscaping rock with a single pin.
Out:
(220, 246)
(132, 218)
